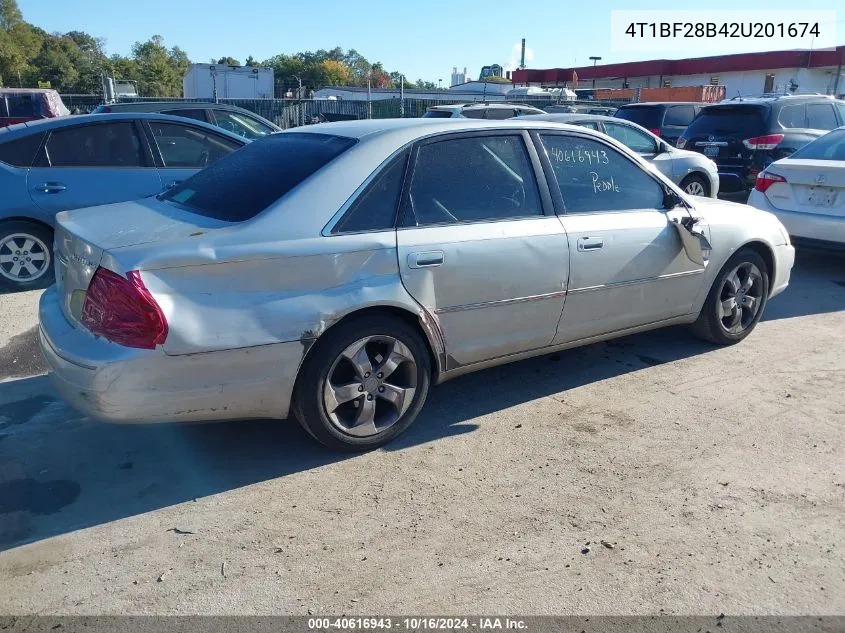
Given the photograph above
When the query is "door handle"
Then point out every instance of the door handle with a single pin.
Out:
(51, 187)
(590, 243)
(172, 184)
(427, 259)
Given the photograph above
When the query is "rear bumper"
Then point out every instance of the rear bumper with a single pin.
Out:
(116, 384)
(826, 231)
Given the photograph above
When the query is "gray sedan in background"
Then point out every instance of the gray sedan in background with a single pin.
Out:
(80, 161)
(337, 271)
(693, 172)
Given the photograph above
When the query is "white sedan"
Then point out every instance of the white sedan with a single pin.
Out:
(806, 191)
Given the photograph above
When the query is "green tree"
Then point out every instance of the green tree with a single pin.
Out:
(56, 62)
(159, 69)
(228, 61)
(251, 61)
(10, 14)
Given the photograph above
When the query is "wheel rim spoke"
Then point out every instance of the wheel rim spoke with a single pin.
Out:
(365, 423)
(337, 395)
(30, 268)
(398, 354)
(733, 282)
(37, 257)
(28, 244)
(359, 358)
(19, 262)
(728, 307)
(399, 397)
(6, 259)
(16, 269)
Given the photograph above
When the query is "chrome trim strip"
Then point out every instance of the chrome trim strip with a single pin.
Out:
(619, 284)
(500, 302)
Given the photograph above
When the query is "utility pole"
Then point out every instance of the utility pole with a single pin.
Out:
(299, 101)
(595, 60)
(402, 96)
(369, 98)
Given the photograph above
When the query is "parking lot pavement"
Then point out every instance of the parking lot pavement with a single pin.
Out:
(714, 476)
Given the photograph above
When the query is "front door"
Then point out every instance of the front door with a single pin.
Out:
(92, 164)
(628, 266)
(476, 248)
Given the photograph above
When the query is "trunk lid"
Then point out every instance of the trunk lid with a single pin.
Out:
(84, 236)
(812, 186)
(718, 132)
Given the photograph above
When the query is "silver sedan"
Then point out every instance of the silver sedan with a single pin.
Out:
(693, 172)
(336, 272)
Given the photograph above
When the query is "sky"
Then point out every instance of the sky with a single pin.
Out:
(422, 39)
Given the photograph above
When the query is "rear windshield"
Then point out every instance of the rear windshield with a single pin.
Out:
(828, 147)
(647, 117)
(244, 183)
(437, 114)
(730, 120)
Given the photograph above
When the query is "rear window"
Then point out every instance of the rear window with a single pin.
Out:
(437, 114)
(21, 106)
(728, 120)
(679, 115)
(246, 182)
(21, 151)
(828, 147)
(649, 118)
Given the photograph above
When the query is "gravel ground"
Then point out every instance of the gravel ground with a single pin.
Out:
(653, 474)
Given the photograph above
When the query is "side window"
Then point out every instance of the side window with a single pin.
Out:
(820, 116)
(20, 152)
(375, 208)
(499, 114)
(23, 106)
(477, 113)
(99, 145)
(189, 113)
(679, 115)
(590, 125)
(241, 124)
(632, 138)
(473, 179)
(792, 116)
(189, 147)
(841, 108)
(595, 178)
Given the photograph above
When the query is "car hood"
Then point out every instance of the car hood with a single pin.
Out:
(114, 226)
(724, 213)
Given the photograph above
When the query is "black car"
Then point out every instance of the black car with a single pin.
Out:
(668, 120)
(744, 136)
(228, 117)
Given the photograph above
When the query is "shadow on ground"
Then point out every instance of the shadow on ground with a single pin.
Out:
(60, 472)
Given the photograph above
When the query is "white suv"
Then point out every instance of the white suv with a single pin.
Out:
(489, 111)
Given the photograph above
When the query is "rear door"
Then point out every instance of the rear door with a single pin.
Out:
(479, 245)
(675, 121)
(628, 266)
(92, 164)
(181, 149)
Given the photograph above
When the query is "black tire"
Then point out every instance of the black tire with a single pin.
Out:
(308, 400)
(696, 178)
(710, 325)
(42, 234)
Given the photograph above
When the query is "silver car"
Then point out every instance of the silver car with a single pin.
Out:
(696, 174)
(80, 161)
(337, 271)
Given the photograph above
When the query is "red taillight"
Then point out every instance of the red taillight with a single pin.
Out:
(122, 310)
(680, 142)
(766, 180)
(770, 141)
(655, 131)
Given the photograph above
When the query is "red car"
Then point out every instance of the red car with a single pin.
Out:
(18, 105)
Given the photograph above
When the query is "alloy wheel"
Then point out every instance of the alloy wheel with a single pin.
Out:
(740, 298)
(695, 188)
(23, 257)
(370, 385)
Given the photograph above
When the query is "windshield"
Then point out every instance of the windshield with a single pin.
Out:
(246, 182)
(647, 117)
(437, 114)
(731, 120)
(828, 147)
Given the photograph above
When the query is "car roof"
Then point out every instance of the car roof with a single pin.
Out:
(658, 103)
(402, 131)
(774, 99)
(566, 117)
(42, 125)
(462, 106)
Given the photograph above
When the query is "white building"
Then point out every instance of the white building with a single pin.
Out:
(458, 78)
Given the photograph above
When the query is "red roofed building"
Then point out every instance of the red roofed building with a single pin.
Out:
(747, 74)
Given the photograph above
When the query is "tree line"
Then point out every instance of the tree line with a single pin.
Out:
(75, 62)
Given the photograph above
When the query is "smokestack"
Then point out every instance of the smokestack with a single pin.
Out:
(522, 56)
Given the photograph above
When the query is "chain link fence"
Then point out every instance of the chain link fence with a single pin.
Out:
(288, 113)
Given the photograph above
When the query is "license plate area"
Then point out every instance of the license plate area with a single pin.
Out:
(821, 196)
(711, 151)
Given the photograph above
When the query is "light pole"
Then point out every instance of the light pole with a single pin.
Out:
(439, 84)
(299, 100)
(595, 60)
